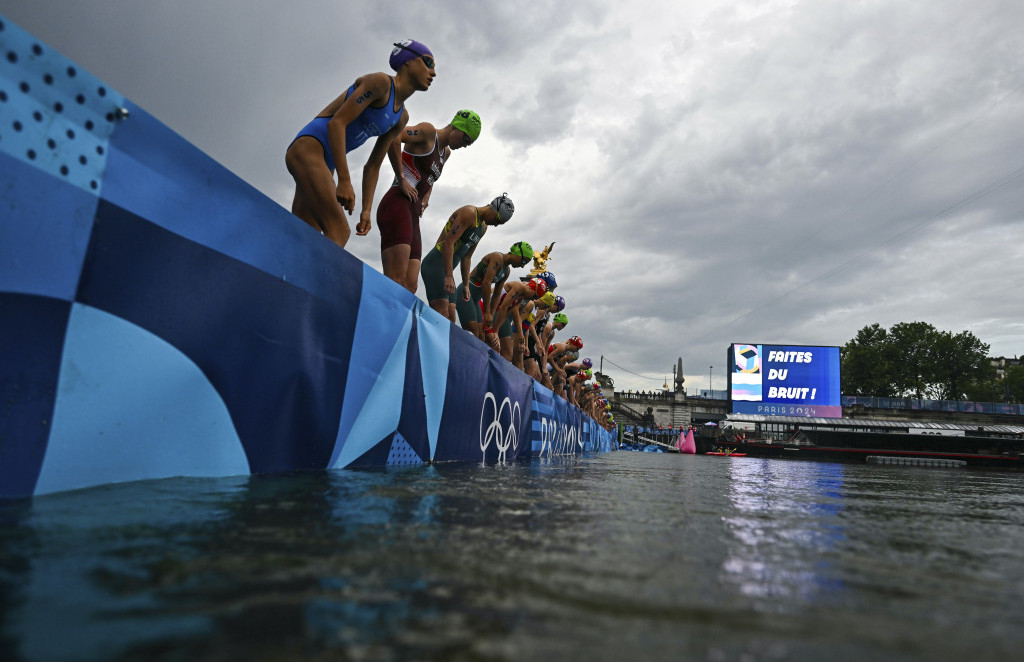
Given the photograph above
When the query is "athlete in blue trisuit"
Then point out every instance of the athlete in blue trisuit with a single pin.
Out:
(373, 106)
(454, 247)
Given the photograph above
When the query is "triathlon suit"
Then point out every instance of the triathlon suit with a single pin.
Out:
(528, 320)
(398, 217)
(371, 122)
(472, 310)
(508, 326)
(533, 352)
(433, 262)
(552, 371)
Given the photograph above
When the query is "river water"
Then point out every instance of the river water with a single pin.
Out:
(620, 556)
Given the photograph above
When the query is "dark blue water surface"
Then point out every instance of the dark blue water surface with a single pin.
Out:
(622, 556)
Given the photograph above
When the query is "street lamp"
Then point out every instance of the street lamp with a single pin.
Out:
(710, 368)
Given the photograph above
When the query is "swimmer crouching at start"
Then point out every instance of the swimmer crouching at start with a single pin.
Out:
(417, 157)
(485, 286)
(455, 245)
(373, 106)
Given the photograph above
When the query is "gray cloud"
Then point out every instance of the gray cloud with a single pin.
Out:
(714, 172)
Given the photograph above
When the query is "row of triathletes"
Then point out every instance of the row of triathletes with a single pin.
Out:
(518, 318)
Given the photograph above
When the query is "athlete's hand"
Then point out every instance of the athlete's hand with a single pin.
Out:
(408, 190)
(465, 292)
(449, 284)
(346, 196)
(364, 225)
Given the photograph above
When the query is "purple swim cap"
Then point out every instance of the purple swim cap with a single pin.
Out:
(408, 49)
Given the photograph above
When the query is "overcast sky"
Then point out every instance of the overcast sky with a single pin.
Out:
(711, 171)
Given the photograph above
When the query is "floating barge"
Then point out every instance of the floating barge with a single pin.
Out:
(917, 443)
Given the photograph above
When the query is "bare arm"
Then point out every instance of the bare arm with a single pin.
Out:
(395, 159)
(426, 200)
(502, 312)
(464, 272)
(533, 332)
(517, 317)
(371, 171)
(485, 285)
(492, 306)
(559, 361)
(367, 89)
(458, 223)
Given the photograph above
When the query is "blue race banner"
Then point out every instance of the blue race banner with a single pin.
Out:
(160, 317)
(487, 405)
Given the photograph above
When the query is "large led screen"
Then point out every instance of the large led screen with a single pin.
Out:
(784, 380)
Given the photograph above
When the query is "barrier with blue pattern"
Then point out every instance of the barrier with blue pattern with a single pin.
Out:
(160, 317)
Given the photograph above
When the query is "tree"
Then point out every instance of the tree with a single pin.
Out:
(960, 361)
(911, 352)
(864, 368)
(986, 391)
(1014, 383)
(1010, 388)
(914, 359)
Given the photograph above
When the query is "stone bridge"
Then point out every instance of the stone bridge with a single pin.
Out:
(675, 408)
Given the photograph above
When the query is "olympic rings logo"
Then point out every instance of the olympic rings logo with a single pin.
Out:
(548, 431)
(559, 439)
(504, 432)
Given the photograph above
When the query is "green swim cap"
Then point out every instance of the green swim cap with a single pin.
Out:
(468, 122)
(561, 317)
(522, 249)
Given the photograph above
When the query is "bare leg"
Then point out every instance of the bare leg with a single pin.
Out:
(506, 348)
(412, 278)
(315, 199)
(517, 352)
(440, 305)
(395, 262)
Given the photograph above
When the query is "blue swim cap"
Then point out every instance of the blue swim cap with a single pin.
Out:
(406, 50)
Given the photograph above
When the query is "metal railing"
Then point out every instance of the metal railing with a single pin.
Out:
(920, 404)
(913, 404)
